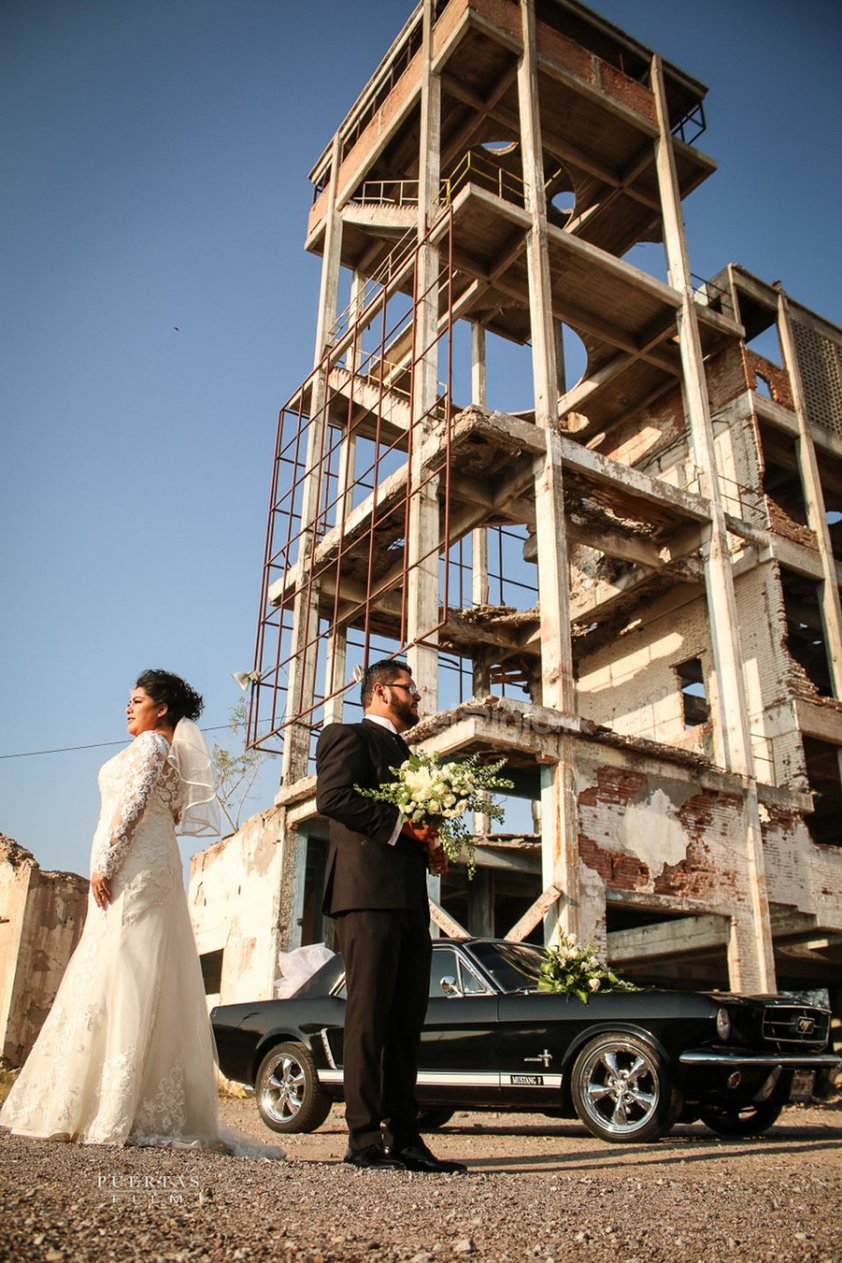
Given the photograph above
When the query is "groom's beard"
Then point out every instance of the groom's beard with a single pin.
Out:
(405, 716)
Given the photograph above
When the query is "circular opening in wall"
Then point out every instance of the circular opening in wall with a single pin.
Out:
(499, 147)
(564, 201)
(573, 367)
(561, 193)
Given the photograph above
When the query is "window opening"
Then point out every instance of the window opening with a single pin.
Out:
(805, 629)
(211, 963)
(822, 761)
(694, 701)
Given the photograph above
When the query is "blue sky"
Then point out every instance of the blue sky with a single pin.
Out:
(159, 307)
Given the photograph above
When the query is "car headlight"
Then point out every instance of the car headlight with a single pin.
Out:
(723, 1025)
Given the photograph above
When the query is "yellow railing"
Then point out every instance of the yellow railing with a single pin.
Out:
(473, 168)
(389, 193)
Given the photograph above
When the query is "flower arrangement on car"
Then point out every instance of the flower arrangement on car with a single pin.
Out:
(577, 969)
(427, 791)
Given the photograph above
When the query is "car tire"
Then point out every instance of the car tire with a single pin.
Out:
(741, 1120)
(289, 1097)
(431, 1120)
(622, 1090)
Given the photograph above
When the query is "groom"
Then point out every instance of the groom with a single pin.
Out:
(376, 889)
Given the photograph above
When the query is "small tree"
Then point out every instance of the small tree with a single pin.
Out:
(235, 771)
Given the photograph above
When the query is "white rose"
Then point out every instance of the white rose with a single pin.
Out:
(434, 807)
(594, 984)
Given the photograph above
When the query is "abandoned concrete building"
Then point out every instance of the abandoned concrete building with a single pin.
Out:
(626, 583)
(42, 915)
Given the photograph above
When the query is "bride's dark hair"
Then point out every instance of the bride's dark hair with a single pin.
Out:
(182, 701)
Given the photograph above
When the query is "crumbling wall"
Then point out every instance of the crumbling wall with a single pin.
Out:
(42, 915)
(799, 873)
(648, 829)
(653, 438)
(631, 684)
(768, 675)
(233, 897)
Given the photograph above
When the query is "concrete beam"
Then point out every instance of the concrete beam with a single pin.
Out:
(535, 913)
(682, 937)
(819, 721)
(449, 926)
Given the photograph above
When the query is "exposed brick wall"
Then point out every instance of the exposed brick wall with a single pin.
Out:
(630, 684)
(776, 378)
(613, 785)
(768, 675)
(656, 832)
(618, 870)
(787, 847)
(727, 375)
(643, 435)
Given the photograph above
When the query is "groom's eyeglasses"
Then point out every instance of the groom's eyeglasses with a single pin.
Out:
(412, 688)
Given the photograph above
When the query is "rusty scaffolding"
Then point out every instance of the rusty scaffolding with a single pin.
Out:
(494, 180)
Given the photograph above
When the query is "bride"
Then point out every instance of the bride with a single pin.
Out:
(126, 1053)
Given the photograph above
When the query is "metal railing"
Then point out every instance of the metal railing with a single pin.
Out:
(478, 169)
(473, 168)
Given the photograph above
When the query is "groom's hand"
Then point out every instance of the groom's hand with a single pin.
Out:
(436, 859)
(423, 833)
(428, 836)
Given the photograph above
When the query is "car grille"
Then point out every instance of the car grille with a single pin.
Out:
(796, 1024)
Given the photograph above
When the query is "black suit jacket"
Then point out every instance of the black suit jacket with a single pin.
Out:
(363, 870)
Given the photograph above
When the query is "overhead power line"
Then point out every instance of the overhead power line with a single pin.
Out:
(96, 745)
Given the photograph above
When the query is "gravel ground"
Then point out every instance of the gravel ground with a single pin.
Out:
(537, 1189)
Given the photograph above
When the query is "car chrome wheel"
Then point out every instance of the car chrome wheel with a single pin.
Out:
(289, 1097)
(621, 1089)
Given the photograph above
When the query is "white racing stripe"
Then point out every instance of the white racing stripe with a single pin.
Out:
(468, 1079)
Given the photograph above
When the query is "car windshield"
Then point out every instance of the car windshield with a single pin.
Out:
(513, 966)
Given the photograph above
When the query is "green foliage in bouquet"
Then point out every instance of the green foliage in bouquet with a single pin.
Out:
(427, 791)
(577, 969)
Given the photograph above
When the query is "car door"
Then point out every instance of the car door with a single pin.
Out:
(458, 1062)
(532, 1041)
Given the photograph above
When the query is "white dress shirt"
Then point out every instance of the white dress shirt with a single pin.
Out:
(390, 727)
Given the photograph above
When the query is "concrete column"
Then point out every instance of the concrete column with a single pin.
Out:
(814, 499)
(305, 626)
(329, 283)
(756, 963)
(481, 683)
(422, 545)
(337, 646)
(479, 537)
(481, 904)
(561, 368)
(560, 861)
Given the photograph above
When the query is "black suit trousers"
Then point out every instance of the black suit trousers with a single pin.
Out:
(387, 961)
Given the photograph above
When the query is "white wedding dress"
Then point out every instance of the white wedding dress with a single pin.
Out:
(126, 1052)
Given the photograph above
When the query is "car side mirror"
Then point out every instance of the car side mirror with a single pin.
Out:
(449, 985)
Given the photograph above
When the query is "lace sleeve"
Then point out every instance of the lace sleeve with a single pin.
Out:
(146, 758)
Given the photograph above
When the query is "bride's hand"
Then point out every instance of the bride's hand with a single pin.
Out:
(101, 887)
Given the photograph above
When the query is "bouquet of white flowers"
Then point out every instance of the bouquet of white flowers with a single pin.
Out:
(578, 969)
(427, 791)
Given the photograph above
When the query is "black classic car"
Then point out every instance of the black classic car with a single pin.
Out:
(628, 1064)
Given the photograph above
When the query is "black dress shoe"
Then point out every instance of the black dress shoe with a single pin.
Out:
(417, 1157)
(373, 1158)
